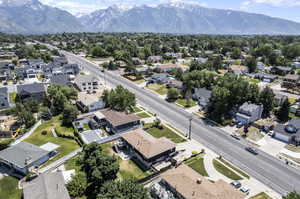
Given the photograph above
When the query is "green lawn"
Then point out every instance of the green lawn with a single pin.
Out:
(128, 168)
(183, 102)
(66, 145)
(197, 163)
(72, 164)
(12, 97)
(9, 188)
(292, 115)
(234, 168)
(261, 196)
(164, 132)
(137, 109)
(159, 88)
(143, 115)
(225, 171)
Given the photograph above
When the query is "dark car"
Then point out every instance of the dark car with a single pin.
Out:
(252, 150)
(236, 184)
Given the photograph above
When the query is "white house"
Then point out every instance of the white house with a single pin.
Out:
(249, 113)
(87, 83)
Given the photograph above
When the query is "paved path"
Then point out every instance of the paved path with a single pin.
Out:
(211, 171)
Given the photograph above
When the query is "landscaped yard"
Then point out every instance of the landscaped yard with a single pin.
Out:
(164, 132)
(12, 97)
(137, 109)
(38, 138)
(184, 103)
(143, 115)
(159, 88)
(197, 163)
(234, 168)
(9, 188)
(128, 169)
(225, 171)
(261, 196)
(72, 164)
(253, 134)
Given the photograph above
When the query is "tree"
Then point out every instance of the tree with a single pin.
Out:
(24, 115)
(98, 51)
(173, 94)
(284, 110)
(70, 114)
(77, 185)
(292, 195)
(266, 98)
(31, 105)
(251, 63)
(122, 190)
(45, 113)
(219, 104)
(236, 53)
(98, 166)
(120, 99)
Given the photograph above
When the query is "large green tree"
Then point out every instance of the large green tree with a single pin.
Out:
(292, 195)
(69, 115)
(122, 190)
(284, 110)
(77, 186)
(266, 98)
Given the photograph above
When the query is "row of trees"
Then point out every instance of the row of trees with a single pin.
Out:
(98, 177)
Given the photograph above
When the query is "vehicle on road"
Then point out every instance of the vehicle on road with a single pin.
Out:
(236, 136)
(252, 150)
(236, 184)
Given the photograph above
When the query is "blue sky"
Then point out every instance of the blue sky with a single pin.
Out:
(288, 9)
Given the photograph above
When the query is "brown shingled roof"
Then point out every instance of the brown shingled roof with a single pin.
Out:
(117, 118)
(192, 185)
(146, 144)
(238, 67)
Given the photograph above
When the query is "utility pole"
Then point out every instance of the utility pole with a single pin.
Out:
(190, 127)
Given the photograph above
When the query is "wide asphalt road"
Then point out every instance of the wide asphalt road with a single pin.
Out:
(265, 168)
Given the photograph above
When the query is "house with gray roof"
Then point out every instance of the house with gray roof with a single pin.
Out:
(159, 78)
(61, 80)
(202, 96)
(34, 91)
(265, 77)
(87, 83)
(4, 103)
(289, 133)
(46, 186)
(23, 156)
(249, 113)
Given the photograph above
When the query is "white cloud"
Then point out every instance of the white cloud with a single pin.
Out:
(276, 3)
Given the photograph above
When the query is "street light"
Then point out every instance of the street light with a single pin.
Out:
(190, 126)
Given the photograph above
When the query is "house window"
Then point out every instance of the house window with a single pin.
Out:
(83, 84)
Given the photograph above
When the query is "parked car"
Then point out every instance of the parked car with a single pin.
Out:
(240, 125)
(236, 136)
(245, 190)
(252, 150)
(236, 184)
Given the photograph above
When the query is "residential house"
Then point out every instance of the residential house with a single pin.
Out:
(289, 133)
(60, 60)
(281, 70)
(34, 91)
(201, 60)
(4, 98)
(265, 77)
(175, 84)
(46, 186)
(291, 81)
(137, 61)
(5, 74)
(61, 80)
(238, 69)
(249, 113)
(146, 149)
(172, 55)
(89, 103)
(296, 64)
(202, 96)
(20, 72)
(167, 67)
(118, 122)
(279, 99)
(155, 59)
(159, 78)
(183, 182)
(87, 83)
(71, 69)
(24, 156)
(260, 66)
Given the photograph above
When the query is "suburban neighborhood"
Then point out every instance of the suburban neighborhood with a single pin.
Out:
(82, 121)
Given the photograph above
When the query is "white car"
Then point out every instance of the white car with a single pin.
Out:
(245, 190)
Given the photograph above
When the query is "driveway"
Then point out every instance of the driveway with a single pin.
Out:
(271, 145)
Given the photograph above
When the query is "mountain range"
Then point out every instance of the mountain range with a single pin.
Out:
(31, 16)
